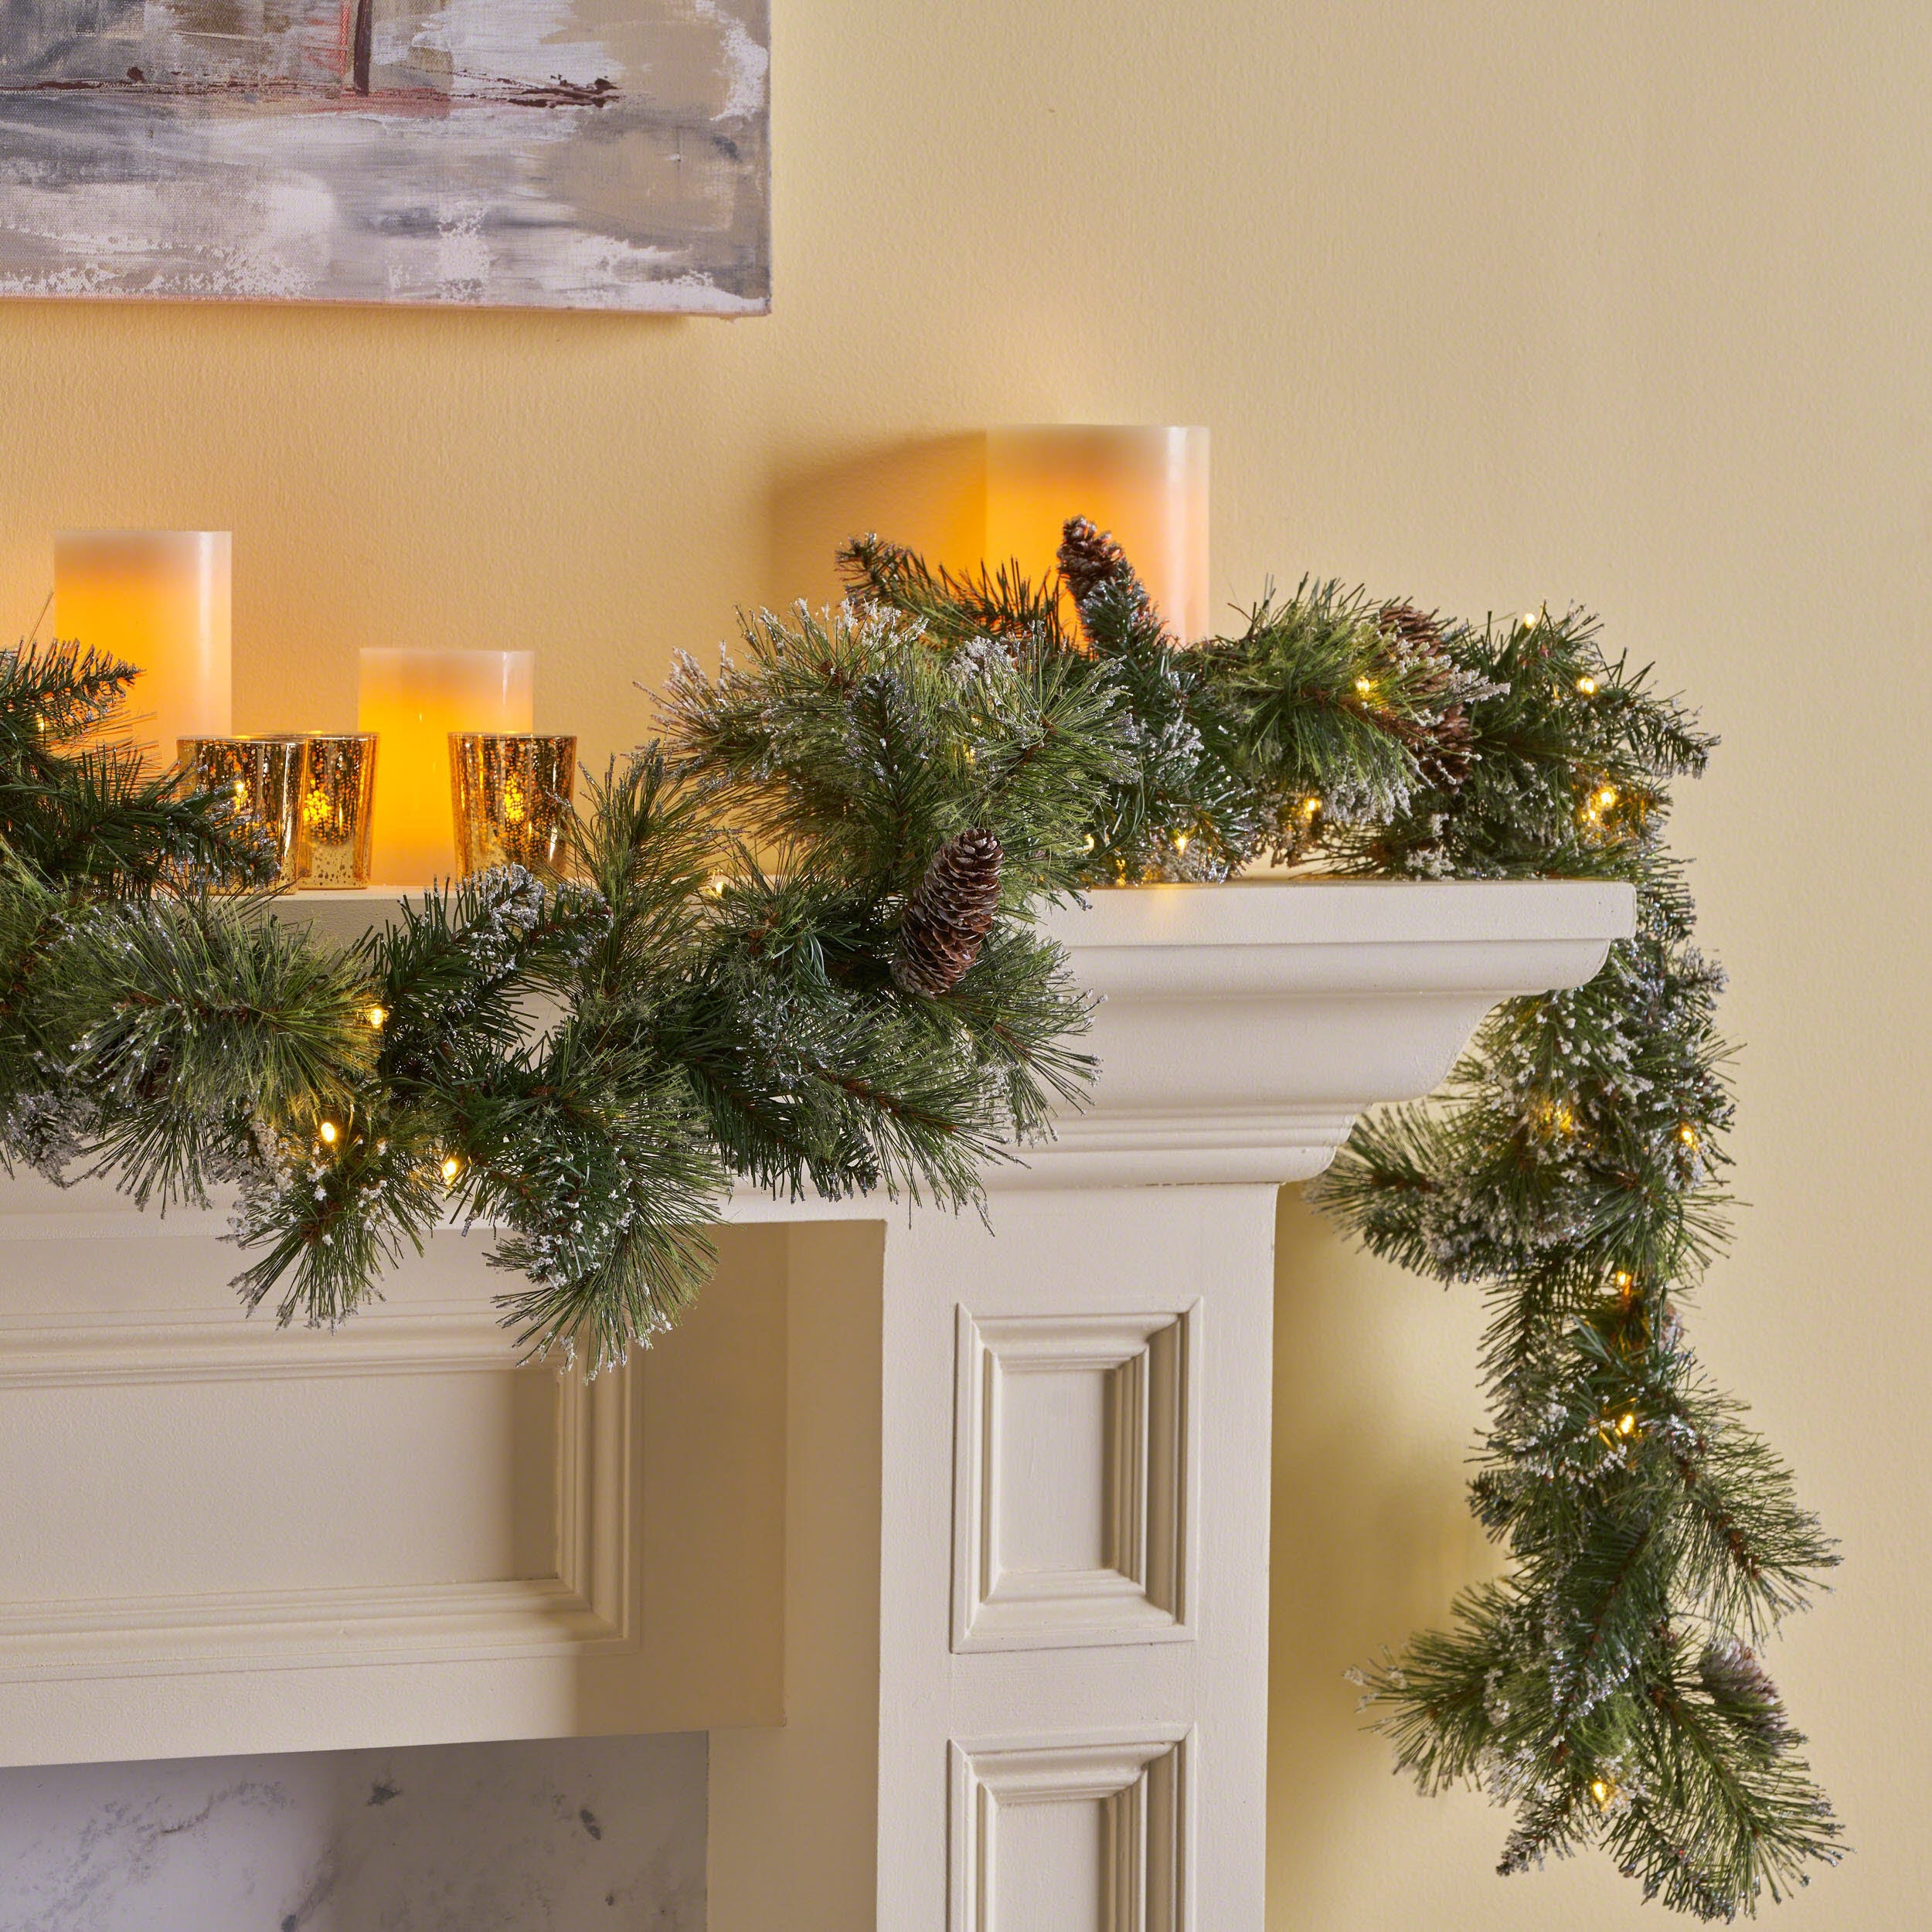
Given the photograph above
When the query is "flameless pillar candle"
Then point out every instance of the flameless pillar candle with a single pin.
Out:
(1148, 486)
(160, 599)
(413, 700)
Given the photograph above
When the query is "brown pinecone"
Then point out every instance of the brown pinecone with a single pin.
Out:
(1090, 561)
(1733, 1675)
(1445, 749)
(950, 912)
(1452, 750)
(1416, 629)
(1089, 558)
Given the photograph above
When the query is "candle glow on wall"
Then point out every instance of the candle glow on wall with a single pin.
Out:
(413, 700)
(159, 599)
(1148, 485)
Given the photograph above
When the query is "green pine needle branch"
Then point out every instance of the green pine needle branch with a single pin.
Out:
(711, 991)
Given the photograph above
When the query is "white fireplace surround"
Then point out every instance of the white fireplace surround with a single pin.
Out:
(951, 1531)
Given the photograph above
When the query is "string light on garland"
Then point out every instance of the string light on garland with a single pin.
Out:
(935, 761)
(1616, 1430)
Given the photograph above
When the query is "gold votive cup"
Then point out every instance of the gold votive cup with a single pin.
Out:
(510, 795)
(338, 813)
(264, 778)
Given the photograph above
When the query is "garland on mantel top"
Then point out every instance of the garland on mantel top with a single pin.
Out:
(796, 947)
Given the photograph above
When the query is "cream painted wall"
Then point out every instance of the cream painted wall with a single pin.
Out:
(1490, 303)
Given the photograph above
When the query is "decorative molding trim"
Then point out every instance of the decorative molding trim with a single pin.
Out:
(1267, 1146)
(1141, 1783)
(1144, 1461)
(127, 1223)
(587, 1605)
(231, 1346)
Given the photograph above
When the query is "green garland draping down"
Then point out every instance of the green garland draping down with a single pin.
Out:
(796, 945)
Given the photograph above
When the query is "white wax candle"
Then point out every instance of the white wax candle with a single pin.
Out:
(160, 599)
(1148, 485)
(413, 699)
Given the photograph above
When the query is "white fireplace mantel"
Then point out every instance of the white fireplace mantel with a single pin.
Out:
(953, 1532)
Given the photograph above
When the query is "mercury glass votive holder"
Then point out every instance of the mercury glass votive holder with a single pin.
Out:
(338, 814)
(510, 795)
(264, 775)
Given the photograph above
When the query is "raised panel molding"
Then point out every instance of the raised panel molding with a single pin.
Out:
(1120, 1859)
(1074, 1466)
(586, 1604)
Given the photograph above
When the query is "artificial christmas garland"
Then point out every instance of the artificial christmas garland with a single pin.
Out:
(796, 946)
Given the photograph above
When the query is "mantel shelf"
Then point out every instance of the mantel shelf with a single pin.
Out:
(1241, 1028)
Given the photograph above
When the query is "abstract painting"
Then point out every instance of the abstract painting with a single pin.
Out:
(566, 153)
